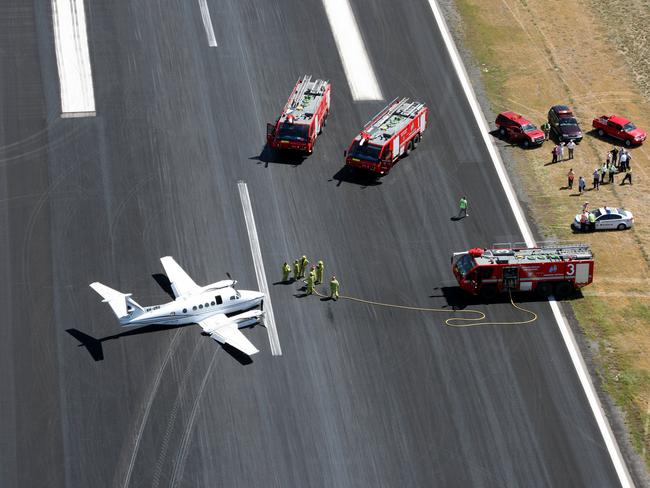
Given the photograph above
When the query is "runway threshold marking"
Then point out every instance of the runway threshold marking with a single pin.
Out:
(269, 318)
(72, 58)
(356, 64)
(567, 335)
(207, 23)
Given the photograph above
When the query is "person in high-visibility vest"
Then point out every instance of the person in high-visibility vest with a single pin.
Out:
(303, 266)
(320, 271)
(546, 128)
(334, 288)
(286, 269)
(463, 207)
(592, 221)
(310, 283)
(296, 270)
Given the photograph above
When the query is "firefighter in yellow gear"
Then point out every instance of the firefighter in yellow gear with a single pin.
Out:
(334, 288)
(296, 270)
(286, 269)
(303, 266)
(310, 283)
(320, 271)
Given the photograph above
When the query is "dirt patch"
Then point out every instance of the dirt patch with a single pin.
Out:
(593, 56)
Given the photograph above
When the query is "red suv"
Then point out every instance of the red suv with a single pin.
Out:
(516, 128)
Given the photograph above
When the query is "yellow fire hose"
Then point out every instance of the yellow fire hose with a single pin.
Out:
(452, 321)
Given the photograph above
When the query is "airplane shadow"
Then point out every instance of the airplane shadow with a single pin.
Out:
(164, 283)
(94, 345)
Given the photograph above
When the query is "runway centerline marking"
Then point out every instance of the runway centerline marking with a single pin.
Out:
(567, 335)
(352, 50)
(72, 58)
(269, 318)
(207, 23)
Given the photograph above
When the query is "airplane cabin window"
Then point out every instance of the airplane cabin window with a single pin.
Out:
(200, 306)
(184, 310)
(194, 307)
(207, 305)
(212, 303)
(218, 299)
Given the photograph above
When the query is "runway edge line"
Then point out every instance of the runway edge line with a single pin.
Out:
(256, 251)
(566, 332)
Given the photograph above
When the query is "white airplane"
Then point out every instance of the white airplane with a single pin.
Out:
(194, 304)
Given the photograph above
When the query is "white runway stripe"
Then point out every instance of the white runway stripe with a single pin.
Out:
(207, 23)
(269, 318)
(72, 58)
(358, 70)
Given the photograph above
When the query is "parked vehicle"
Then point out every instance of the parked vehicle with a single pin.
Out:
(564, 124)
(607, 218)
(514, 127)
(619, 128)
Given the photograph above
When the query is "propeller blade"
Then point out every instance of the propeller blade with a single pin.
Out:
(228, 275)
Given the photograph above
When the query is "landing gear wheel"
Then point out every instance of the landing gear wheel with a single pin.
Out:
(544, 290)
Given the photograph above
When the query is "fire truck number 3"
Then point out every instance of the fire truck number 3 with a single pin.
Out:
(570, 269)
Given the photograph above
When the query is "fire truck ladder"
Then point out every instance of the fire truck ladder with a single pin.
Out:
(303, 88)
(398, 107)
(551, 248)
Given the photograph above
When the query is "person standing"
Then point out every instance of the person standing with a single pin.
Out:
(614, 152)
(628, 160)
(546, 128)
(628, 177)
(570, 177)
(603, 172)
(286, 269)
(571, 146)
(334, 288)
(622, 160)
(463, 207)
(585, 206)
(583, 221)
(596, 176)
(303, 266)
(310, 283)
(582, 184)
(592, 221)
(554, 152)
(611, 171)
(320, 271)
(296, 270)
(312, 273)
(561, 151)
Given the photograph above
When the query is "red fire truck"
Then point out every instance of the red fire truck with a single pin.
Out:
(392, 133)
(303, 116)
(551, 269)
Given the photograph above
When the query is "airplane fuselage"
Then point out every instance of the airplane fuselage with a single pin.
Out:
(195, 308)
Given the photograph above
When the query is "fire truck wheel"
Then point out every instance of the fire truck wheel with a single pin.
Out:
(416, 140)
(544, 289)
(409, 148)
(562, 289)
(489, 292)
(325, 119)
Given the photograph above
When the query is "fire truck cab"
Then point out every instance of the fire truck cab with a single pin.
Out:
(552, 269)
(303, 117)
(392, 133)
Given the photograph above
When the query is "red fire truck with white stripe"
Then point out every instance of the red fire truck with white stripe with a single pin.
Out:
(303, 117)
(551, 269)
(392, 133)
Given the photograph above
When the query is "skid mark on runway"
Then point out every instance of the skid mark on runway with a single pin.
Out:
(160, 463)
(179, 465)
(147, 409)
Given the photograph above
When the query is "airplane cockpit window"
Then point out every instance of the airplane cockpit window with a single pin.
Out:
(232, 297)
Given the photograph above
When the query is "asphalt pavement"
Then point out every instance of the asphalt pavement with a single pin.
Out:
(362, 395)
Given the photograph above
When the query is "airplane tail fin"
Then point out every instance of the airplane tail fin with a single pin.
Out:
(122, 304)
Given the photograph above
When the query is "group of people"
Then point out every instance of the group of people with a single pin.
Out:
(587, 218)
(313, 278)
(617, 161)
(558, 151)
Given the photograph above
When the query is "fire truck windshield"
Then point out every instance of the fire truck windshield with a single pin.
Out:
(369, 152)
(293, 132)
(465, 264)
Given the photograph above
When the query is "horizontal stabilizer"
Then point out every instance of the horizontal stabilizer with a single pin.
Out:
(117, 300)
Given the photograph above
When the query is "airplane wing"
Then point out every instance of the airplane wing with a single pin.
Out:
(182, 284)
(224, 330)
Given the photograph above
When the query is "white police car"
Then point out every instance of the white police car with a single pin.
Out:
(607, 218)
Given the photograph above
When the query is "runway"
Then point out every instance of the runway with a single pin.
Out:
(361, 396)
